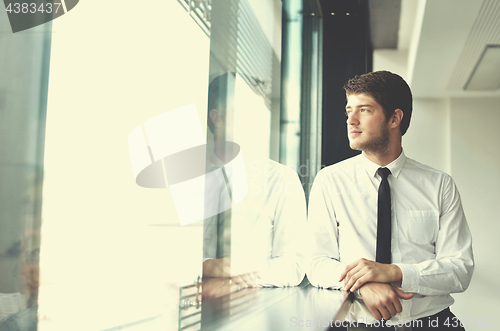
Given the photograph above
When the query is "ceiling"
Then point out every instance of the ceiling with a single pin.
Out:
(440, 43)
(384, 23)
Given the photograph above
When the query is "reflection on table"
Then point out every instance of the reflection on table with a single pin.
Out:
(215, 305)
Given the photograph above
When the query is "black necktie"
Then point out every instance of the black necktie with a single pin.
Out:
(384, 218)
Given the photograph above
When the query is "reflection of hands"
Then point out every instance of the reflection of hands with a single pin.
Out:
(363, 271)
(221, 268)
(246, 280)
(217, 287)
(217, 267)
(32, 272)
(383, 299)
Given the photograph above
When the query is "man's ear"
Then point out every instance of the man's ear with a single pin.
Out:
(396, 118)
(214, 116)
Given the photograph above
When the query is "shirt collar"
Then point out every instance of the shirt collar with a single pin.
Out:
(395, 166)
(216, 161)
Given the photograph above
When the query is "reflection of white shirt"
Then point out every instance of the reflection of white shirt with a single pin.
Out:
(266, 225)
(431, 242)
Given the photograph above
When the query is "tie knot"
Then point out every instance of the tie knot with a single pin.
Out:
(383, 172)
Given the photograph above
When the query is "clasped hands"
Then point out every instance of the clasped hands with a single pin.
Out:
(377, 285)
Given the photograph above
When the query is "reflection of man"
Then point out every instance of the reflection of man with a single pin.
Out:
(428, 246)
(264, 227)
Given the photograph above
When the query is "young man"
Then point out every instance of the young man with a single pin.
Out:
(397, 236)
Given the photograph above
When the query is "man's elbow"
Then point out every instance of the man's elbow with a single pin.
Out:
(467, 277)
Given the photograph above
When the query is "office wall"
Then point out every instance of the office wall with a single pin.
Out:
(460, 136)
(427, 138)
(475, 166)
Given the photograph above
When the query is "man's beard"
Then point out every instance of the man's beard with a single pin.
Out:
(376, 144)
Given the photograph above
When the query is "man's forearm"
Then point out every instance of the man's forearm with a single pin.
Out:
(435, 277)
(364, 271)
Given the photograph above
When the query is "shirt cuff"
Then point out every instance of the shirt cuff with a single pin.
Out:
(327, 274)
(411, 274)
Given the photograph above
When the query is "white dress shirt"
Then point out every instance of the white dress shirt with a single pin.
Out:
(431, 241)
(266, 225)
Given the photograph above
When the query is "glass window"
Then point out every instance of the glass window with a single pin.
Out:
(112, 250)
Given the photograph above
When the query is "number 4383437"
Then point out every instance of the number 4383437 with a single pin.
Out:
(33, 8)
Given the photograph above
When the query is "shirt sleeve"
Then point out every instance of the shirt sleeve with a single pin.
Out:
(451, 270)
(323, 258)
(286, 265)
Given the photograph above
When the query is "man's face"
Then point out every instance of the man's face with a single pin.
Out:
(367, 127)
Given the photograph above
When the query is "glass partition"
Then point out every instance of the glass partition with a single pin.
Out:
(128, 89)
(24, 63)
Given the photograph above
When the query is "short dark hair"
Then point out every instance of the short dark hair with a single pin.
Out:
(219, 91)
(388, 89)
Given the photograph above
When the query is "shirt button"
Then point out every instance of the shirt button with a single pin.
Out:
(405, 316)
(408, 289)
(392, 240)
